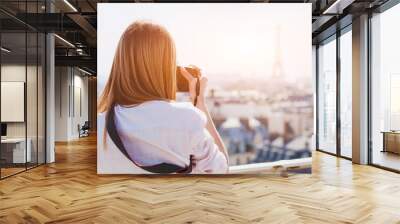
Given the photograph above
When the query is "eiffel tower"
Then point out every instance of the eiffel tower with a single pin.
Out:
(277, 68)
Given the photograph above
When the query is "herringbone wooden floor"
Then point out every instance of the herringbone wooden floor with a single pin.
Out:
(70, 191)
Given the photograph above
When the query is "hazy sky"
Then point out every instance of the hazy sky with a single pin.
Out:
(225, 39)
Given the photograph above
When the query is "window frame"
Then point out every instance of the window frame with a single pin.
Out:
(334, 37)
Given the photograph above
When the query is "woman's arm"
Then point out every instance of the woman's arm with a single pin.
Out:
(212, 130)
(201, 104)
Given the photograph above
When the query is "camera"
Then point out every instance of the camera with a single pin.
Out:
(182, 83)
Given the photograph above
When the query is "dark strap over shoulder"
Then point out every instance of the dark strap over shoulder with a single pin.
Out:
(162, 168)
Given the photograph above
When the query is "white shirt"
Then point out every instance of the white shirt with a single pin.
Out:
(168, 132)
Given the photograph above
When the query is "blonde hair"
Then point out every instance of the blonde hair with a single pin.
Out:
(144, 67)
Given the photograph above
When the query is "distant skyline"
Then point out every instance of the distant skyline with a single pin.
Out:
(222, 39)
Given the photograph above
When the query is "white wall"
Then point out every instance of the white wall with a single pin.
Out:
(80, 84)
(70, 83)
(61, 103)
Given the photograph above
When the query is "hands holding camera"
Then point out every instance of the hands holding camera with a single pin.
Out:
(196, 83)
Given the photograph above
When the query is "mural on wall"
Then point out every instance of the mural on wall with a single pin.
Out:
(259, 94)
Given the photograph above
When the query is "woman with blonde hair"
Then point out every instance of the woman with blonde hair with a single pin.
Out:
(142, 117)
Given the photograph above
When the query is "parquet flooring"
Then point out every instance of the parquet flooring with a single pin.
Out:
(10, 171)
(70, 191)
